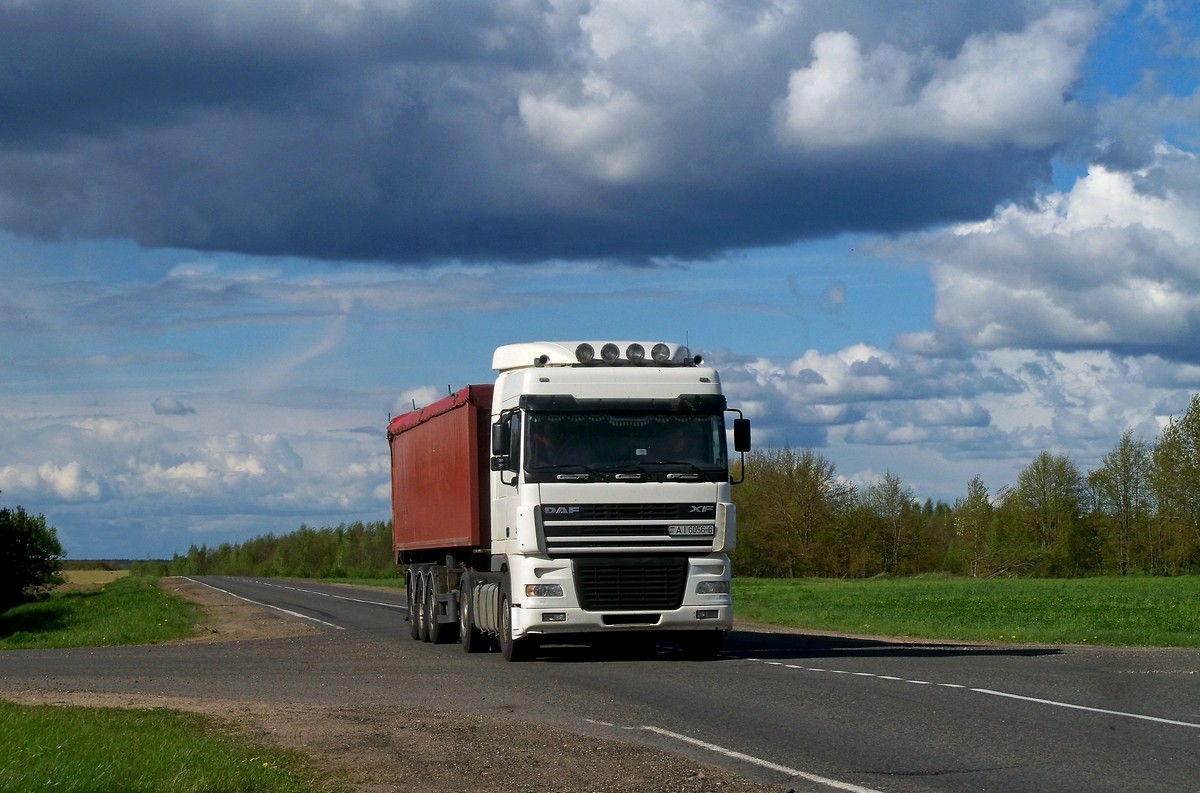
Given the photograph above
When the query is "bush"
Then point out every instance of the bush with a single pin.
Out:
(30, 556)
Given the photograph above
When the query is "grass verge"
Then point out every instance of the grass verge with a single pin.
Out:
(73, 749)
(128, 610)
(1151, 612)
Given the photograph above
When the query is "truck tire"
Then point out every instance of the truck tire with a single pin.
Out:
(414, 627)
(473, 640)
(439, 632)
(514, 650)
(422, 605)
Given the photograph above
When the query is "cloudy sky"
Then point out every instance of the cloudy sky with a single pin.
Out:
(932, 238)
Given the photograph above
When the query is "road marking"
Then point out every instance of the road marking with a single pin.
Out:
(1085, 707)
(268, 605)
(988, 691)
(337, 597)
(743, 757)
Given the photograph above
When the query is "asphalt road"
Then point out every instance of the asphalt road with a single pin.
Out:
(799, 711)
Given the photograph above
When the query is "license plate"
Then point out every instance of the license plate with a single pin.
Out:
(690, 530)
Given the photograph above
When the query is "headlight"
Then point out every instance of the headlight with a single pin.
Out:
(584, 353)
(635, 353)
(543, 590)
(712, 588)
(610, 352)
(660, 352)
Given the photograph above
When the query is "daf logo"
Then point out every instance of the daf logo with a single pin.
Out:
(702, 509)
(561, 510)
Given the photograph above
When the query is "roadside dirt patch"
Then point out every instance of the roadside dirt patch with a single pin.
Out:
(375, 749)
(231, 619)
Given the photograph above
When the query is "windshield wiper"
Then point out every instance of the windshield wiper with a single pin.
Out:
(577, 470)
(695, 472)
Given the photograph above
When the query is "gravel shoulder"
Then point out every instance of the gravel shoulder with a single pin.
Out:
(376, 749)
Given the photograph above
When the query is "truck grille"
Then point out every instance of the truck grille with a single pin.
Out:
(579, 529)
(617, 584)
(576, 512)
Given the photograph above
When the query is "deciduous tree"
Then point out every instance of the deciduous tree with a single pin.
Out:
(973, 522)
(1176, 484)
(30, 555)
(1121, 489)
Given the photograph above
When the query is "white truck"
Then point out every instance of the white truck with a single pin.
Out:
(584, 495)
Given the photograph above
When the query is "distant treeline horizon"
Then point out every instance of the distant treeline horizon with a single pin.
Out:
(1138, 513)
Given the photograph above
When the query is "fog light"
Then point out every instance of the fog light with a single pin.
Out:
(712, 588)
(661, 353)
(584, 353)
(543, 590)
(554, 616)
(635, 353)
(707, 614)
(610, 352)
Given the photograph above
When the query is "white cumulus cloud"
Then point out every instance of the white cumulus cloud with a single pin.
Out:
(998, 88)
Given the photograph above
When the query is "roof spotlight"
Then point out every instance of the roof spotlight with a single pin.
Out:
(584, 353)
(661, 353)
(635, 352)
(610, 352)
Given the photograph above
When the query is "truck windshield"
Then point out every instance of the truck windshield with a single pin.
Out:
(652, 446)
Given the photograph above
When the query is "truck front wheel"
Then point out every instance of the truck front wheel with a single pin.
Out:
(514, 650)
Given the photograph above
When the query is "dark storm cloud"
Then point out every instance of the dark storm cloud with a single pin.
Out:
(422, 131)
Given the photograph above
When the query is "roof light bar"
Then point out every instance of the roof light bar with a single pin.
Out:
(540, 354)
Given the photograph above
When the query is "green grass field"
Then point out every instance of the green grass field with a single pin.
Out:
(83, 750)
(1158, 612)
(125, 610)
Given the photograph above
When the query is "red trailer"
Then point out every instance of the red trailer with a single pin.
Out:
(440, 466)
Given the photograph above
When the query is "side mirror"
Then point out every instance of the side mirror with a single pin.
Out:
(741, 435)
(500, 440)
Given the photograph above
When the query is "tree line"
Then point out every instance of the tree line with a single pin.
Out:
(355, 550)
(1138, 512)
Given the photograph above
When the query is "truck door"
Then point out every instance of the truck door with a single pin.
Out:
(506, 480)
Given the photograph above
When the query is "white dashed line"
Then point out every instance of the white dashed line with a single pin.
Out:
(988, 691)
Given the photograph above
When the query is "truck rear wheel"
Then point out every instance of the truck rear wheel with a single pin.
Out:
(473, 640)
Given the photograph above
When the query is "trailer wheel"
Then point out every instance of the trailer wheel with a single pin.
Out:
(414, 626)
(422, 604)
(473, 640)
(439, 632)
(514, 650)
